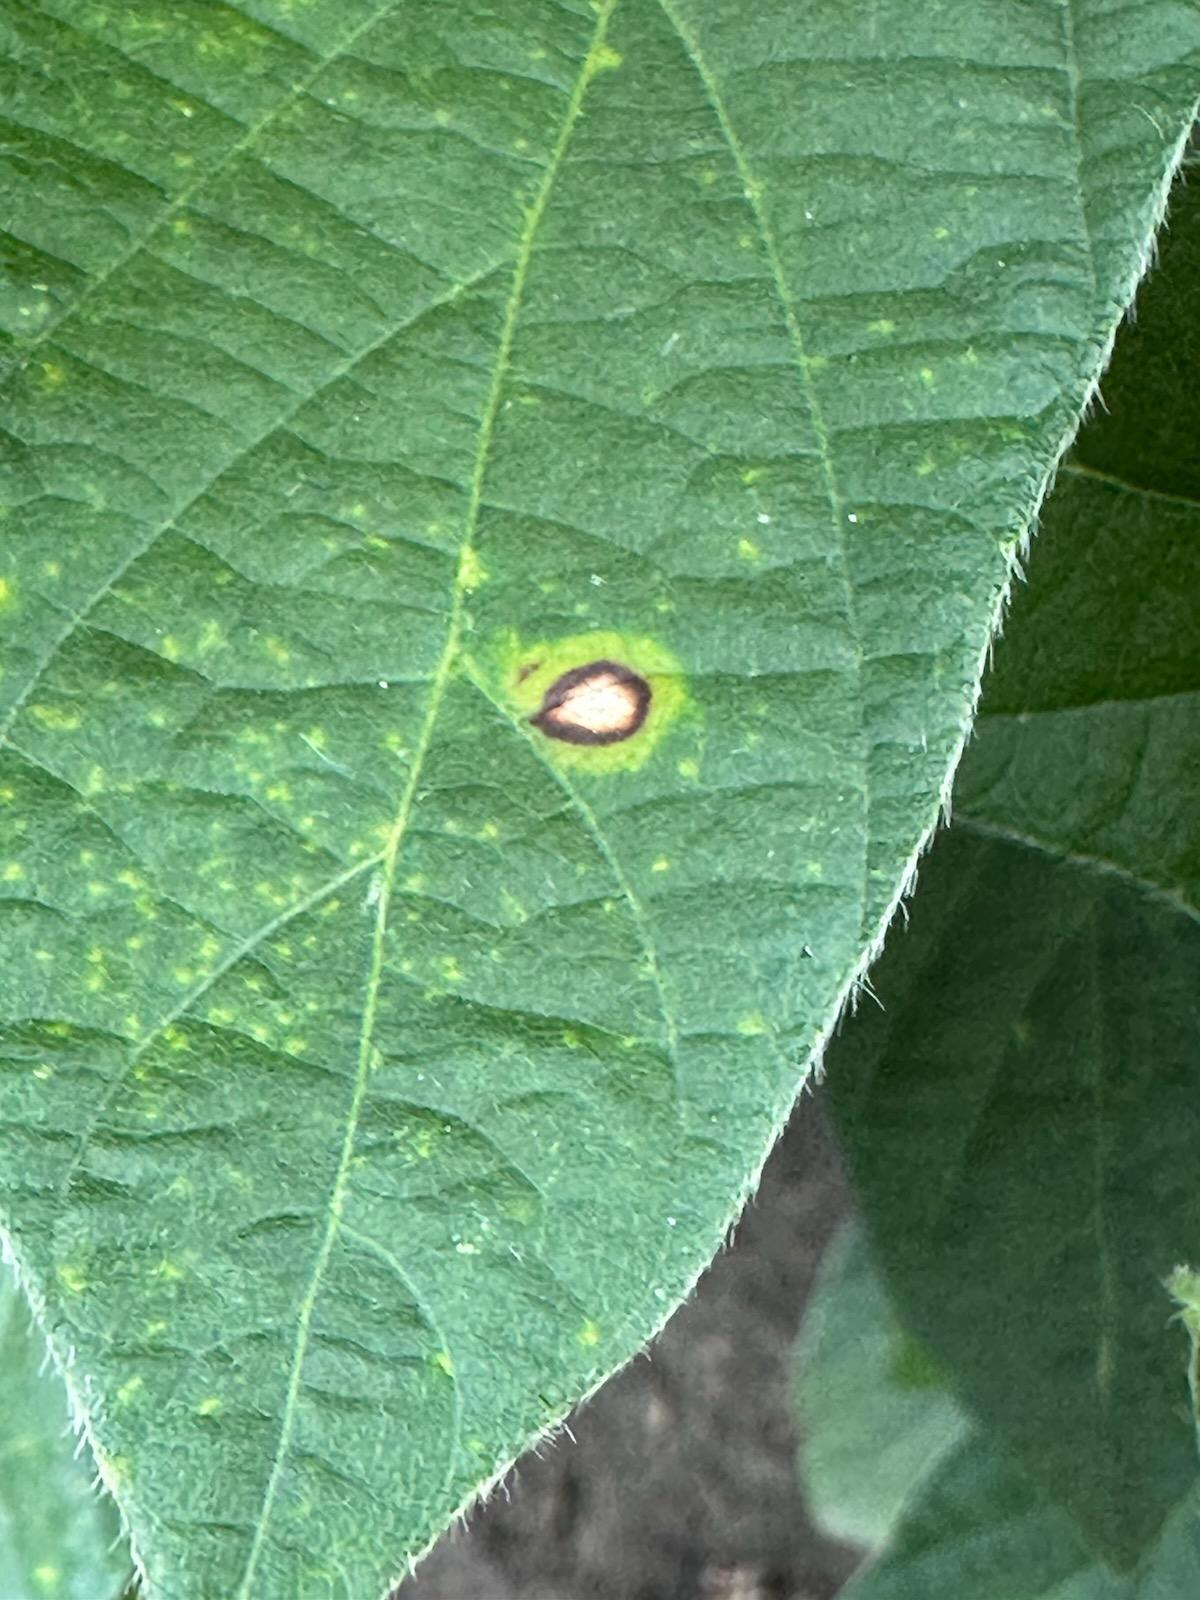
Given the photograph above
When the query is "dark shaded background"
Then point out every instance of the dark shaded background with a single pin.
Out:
(679, 1482)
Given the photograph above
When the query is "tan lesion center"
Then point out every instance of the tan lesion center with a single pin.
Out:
(600, 703)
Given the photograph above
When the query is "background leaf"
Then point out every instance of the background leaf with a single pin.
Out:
(378, 1072)
(1185, 1287)
(875, 1414)
(949, 1516)
(978, 1527)
(59, 1539)
(1021, 1118)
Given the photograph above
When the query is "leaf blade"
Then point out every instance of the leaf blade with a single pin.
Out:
(300, 415)
(1026, 1110)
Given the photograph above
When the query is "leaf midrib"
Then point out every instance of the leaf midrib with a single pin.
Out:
(1141, 491)
(753, 191)
(399, 829)
(1101, 866)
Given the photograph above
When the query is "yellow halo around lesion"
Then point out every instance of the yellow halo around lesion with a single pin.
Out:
(523, 670)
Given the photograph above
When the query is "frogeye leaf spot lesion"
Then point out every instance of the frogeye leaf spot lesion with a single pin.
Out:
(599, 702)
(602, 702)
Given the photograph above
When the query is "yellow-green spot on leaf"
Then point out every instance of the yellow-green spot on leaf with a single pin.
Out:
(689, 769)
(54, 376)
(46, 1576)
(52, 569)
(881, 325)
(450, 969)
(13, 872)
(471, 571)
(55, 719)
(928, 377)
(602, 58)
(748, 550)
(589, 1334)
(519, 673)
(513, 908)
(169, 1271)
(941, 233)
(8, 594)
(277, 650)
(129, 1389)
(72, 1277)
(751, 1026)
(925, 466)
(209, 1406)
(444, 1362)
(660, 864)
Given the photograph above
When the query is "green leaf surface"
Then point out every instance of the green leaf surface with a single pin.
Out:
(874, 1415)
(380, 1070)
(1022, 1117)
(1185, 1287)
(979, 1530)
(59, 1539)
(889, 1458)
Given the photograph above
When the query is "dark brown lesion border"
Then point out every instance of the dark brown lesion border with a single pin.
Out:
(553, 717)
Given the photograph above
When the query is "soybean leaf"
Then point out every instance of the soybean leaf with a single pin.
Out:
(889, 1457)
(59, 1538)
(1185, 1286)
(1022, 1117)
(380, 1067)
(874, 1414)
(981, 1528)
